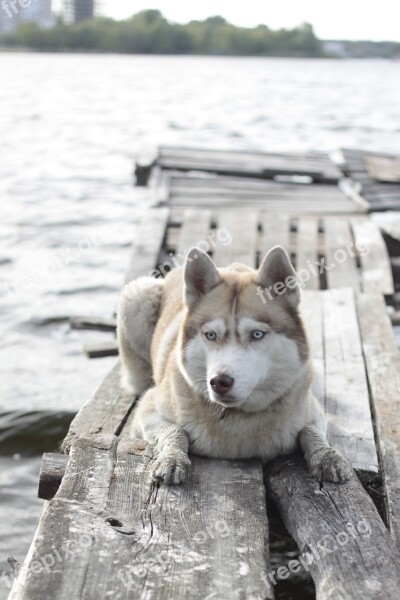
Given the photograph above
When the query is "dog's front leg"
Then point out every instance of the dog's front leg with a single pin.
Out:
(172, 463)
(325, 463)
(169, 441)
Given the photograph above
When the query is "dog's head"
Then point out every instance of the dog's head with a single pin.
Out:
(242, 343)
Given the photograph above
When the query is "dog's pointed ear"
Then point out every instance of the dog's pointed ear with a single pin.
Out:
(276, 273)
(200, 275)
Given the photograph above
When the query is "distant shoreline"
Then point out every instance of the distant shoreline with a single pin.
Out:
(81, 51)
(149, 33)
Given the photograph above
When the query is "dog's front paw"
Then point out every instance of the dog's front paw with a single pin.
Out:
(171, 466)
(330, 465)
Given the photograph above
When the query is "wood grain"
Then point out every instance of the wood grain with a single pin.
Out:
(136, 540)
(341, 383)
(383, 361)
(347, 404)
(339, 533)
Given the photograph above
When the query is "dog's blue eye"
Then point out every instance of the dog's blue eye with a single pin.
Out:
(257, 334)
(211, 336)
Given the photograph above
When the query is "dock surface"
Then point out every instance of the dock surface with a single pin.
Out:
(208, 538)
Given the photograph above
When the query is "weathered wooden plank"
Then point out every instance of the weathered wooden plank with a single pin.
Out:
(160, 184)
(381, 196)
(195, 229)
(211, 188)
(275, 232)
(169, 150)
(383, 168)
(315, 165)
(310, 206)
(101, 349)
(70, 524)
(145, 161)
(105, 412)
(340, 382)
(383, 362)
(216, 183)
(52, 471)
(286, 205)
(96, 323)
(341, 537)
(202, 539)
(395, 318)
(375, 262)
(147, 241)
(346, 390)
(341, 267)
(307, 251)
(244, 155)
(243, 233)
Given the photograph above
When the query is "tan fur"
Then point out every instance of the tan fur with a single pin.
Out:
(270, 407)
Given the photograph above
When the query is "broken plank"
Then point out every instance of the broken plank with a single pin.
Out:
(341, 537)
(383, 361)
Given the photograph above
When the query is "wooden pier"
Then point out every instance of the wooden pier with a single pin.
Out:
(209, 538)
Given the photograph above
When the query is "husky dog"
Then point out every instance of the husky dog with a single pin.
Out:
(224, 374)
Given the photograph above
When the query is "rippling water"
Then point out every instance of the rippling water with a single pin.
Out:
(69, 128)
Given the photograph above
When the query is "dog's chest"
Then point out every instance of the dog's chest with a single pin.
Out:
(235, 436)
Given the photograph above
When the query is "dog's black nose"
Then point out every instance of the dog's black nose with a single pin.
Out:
(221, 384)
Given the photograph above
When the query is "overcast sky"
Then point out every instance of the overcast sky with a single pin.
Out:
(346, 19)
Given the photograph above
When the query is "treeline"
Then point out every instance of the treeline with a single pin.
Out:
(148, 32)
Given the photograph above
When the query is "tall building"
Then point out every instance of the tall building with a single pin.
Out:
(12, 14)
(80, 10)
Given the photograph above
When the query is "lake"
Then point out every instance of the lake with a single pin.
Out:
(70, 126)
